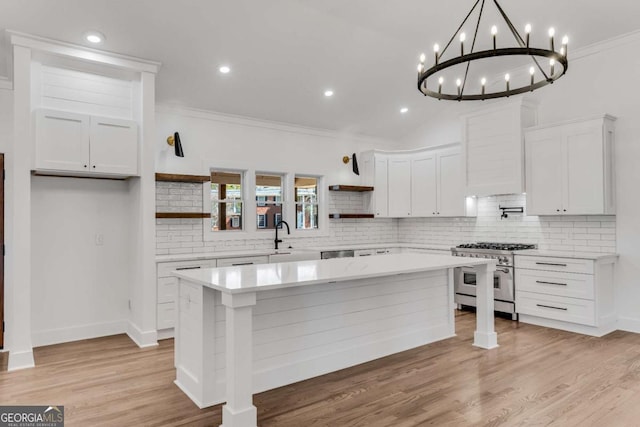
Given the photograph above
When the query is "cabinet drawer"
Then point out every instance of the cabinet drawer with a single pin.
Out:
(555, 283)
(190, 292)
(167, 289)
(569, 265)
(230, 262)
(558, 308)
(165, 268)
(166, 315)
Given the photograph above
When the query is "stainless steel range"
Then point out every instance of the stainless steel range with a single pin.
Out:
(503, 279)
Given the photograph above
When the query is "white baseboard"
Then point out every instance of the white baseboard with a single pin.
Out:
(164, 334)
(142, 339)
(20, 360)
(76, 333)
(606, 328)
(629, 324)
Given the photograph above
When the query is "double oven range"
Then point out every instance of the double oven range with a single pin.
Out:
(503, 278)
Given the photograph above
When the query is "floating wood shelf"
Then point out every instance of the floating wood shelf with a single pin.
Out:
(350, 216)
(168, 177)
(358, 188)
(182, 215)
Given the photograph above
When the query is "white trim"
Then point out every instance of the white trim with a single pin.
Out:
(629, 324)
(76, 333)
(20, 360)
(597, 47)
(239, 120)
(59, 48)
(5, 83)
(608, 325)
(142, 339)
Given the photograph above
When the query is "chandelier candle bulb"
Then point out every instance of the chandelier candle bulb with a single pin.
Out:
(483, 82)
(440, 81)
(552, 62)
(552, 32)
(494, 31)
(459, 84)
(527, 30)
(532, 72)
(565, 42)
(436, 49)
(506, 79)
(463, 37)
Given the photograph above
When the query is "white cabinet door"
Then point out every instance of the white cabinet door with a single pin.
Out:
(423, 186)
(545, 171)
(114, 146)
(451, 189)
(584, 177)
(399, 187)
(62, 141)
(380, 187)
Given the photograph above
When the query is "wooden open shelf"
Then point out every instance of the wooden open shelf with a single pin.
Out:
(358, 188)
(168, 177)
(182, 215)
(350, 216)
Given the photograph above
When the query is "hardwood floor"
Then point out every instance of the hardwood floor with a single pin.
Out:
(537, 377)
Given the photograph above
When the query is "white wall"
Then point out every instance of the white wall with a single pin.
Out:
(214, 140)
(79, 289)
(600, 79)
(6, 118)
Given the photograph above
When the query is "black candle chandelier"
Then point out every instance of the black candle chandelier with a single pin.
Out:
(547, 65)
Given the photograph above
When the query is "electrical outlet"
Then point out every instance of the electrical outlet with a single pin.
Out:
(99, 239)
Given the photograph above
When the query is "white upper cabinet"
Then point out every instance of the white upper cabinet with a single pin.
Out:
(420, 183)
(79, 144)
(374, 173)
(399, 187)
(493, 153)
(424, 185)
(570, 168)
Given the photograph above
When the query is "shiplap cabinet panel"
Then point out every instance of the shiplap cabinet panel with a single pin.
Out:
(493, 148)
(570, 168)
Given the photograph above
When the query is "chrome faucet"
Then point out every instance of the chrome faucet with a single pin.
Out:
(276, 240)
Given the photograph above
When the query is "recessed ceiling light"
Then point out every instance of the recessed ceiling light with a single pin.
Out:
(404, 110)
(225, 69)
(328, 93)
(94, 37)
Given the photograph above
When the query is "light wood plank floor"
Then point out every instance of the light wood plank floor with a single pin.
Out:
(537, 377)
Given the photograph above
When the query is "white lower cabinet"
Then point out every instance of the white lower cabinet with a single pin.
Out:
(566, 293)
(238, 261)
(167, 293)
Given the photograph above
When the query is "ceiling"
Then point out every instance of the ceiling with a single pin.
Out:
(283, 54)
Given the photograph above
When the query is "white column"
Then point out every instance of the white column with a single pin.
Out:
(239, 410)
(18, 218)
(485, 335)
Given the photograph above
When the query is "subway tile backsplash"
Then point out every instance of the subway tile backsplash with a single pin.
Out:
(561, 233)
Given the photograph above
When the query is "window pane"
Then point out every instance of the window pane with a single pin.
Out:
(226, 216)
(306, 190)
(306, 216)
(226, 186)
(268, 200)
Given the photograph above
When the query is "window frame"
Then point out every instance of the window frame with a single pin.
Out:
(283, 198)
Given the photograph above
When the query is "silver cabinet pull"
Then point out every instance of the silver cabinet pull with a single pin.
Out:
(551, 283)
(187, 268)
(551, 263)
(550, 306)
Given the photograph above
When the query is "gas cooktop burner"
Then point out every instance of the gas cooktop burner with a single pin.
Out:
(497, 246)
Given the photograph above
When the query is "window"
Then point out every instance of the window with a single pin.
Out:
(306, 197)
(226, 200)
(268, 200)
(277, 218)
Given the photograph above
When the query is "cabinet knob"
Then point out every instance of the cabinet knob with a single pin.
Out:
(85, 166)
(557, 210)
(438, 213)
(433, 213)
(564, 210)
(94, 166)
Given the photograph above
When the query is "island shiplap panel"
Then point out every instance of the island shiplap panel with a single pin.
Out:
(303, 332)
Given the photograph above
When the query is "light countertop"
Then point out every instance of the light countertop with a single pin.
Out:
(265, 252)
(259, 277)
(596, 256)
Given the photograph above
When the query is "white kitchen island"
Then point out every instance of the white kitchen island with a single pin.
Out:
(243, 330)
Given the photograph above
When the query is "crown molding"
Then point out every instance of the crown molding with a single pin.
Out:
(69, 50)
(608, 44)
(239, 120)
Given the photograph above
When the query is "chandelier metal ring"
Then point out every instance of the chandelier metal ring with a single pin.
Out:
(511, 51)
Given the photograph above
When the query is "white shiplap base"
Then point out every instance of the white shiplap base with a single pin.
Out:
(301, 333)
